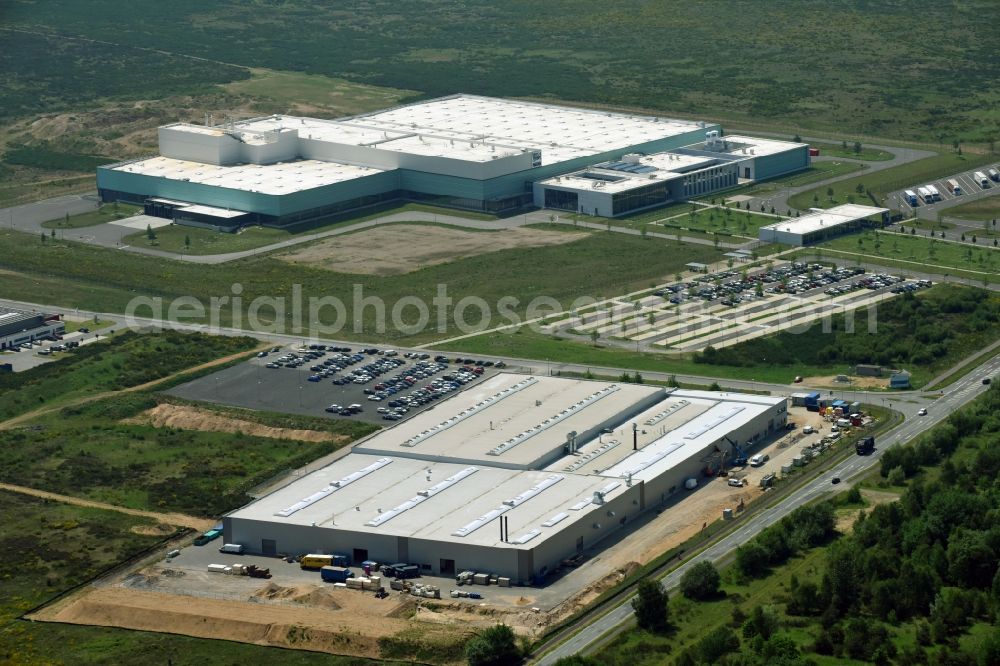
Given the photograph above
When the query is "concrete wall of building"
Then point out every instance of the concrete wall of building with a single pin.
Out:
(625, 506)
(180, 144)
(280, 146)
(329, 151)
(778, 164)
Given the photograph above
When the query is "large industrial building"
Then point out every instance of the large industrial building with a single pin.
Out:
(19, 327)
(463, 151)
(511, 476)
(820, 224)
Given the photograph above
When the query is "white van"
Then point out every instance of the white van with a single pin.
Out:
(232, 548)
(759, 459)
(843, 423)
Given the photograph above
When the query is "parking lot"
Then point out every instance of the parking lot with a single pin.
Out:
(971, 190)
(371, 384)
(728, 307)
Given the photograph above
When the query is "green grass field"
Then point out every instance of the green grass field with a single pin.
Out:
(920, 253)
(195, 240)
(127, 360)
(722, 221)
(882, 182)
(985, 210)
(600, 265)
(816, 172)
(88, 452)
(104, 214)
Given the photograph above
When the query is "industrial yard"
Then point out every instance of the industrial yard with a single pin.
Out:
(179, 591)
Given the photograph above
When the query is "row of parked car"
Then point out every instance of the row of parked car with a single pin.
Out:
(396, 408)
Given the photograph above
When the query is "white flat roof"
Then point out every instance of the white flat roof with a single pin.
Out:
(831, 217)
(213, 211)
(479, 129)
(760, 146)
(282, 178)
(459, 501)
(713, 416)
(439, 501)
(511, 420)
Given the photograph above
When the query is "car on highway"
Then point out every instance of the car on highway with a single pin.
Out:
(835, 480)
(922, 411)
(986, 381)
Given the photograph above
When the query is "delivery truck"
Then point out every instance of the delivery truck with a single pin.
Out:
(314, 561)
(335, 574)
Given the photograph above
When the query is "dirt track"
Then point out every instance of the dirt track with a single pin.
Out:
(402, 248)
(186, 417)
(179, 519)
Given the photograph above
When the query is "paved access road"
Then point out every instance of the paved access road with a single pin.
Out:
(956, 395)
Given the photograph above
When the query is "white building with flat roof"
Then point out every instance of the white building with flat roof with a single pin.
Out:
(511, 476)
(465, 151)
(821, 224)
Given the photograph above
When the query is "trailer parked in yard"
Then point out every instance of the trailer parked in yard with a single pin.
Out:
(335, 574)
(954, 187)
(994, 175)
(313, 561)
(206, 537)
(981, 179)
(925, 194)
(911, 197)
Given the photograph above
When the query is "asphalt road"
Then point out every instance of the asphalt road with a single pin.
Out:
(956, 395)
(779, 199)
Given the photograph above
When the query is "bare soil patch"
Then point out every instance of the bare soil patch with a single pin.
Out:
(160, 530)
(282, 617)
(856, 382)
(186, 417)
(403, 248)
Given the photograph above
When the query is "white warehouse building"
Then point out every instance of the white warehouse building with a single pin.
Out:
(511, 476)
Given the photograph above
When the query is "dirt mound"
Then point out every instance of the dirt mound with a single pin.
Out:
(402, 248)
(308, 596)
(185, 417)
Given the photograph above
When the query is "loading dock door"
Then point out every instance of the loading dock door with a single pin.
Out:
(268, 546)
(360, 555)
(447, 567)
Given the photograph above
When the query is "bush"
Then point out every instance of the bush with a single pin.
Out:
(701, 582)
(650, 606)
(496, 646)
